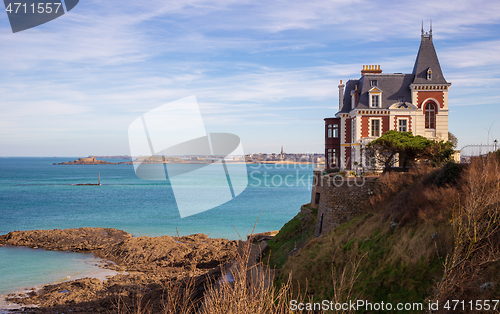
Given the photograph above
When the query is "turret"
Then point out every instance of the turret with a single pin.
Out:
(341, 94)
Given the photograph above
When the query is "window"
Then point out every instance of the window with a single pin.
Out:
(329, 161)
(353, 130)
(332, 158)
(429, 74)
(375, 101)
(373, 83)
(329, 130)
(401, 99)
(335, 130)
(403, 125)
(430, 116)
(376, 128)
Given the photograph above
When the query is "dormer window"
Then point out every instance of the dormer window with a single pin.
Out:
(373, 83)
(401, 100)
(429, 74)
(375, 97)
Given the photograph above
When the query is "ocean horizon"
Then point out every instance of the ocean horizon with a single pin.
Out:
(35, 194)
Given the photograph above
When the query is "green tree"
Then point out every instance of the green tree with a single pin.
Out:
(453, 139)
(439, 153)
(393, 144)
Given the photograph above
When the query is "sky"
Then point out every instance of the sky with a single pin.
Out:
(266, 71)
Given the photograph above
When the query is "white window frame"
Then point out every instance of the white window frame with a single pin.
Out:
(379, 127)
(406, 125)
(371, 100)
(335, 131)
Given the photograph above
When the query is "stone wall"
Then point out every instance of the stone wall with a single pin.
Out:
(339, 199)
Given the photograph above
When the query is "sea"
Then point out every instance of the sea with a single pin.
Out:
(36, 194)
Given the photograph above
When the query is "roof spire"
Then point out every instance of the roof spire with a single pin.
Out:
(427, 34)
(427, 58)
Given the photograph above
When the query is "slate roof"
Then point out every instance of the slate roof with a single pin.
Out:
(349, 86)
(397, 85)
(427, 58)
(392, 86)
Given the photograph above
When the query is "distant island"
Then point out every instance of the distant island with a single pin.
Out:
(91, 160)
(115, 157)
(250, 158)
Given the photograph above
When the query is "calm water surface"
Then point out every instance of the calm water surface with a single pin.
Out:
(35, 194)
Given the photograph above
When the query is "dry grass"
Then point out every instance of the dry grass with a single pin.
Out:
(173, 296)
(246, 287)
(476, 232)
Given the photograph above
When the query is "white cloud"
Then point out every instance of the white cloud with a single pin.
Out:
(250, 63)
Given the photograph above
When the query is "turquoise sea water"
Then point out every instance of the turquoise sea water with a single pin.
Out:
(35, 194)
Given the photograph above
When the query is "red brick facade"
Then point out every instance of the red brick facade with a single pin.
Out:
(348, 129)
(437, 95)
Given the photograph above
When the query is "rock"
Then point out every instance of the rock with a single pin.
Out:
(487, 286)
(81, 239)
(152, 263)
(394, 225)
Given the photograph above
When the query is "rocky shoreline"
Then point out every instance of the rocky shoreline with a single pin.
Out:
(91, 160)
(152, 265)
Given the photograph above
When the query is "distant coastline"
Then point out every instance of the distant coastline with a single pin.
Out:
(92, 160)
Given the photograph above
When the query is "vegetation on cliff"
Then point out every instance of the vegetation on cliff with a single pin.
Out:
(431, 234)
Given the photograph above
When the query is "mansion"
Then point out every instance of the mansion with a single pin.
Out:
(378, 102)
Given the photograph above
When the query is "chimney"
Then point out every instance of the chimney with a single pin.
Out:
(341, 95)
(371, 69)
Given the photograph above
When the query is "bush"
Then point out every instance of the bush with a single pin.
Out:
(449, 174)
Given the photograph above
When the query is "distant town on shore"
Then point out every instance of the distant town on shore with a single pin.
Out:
(302, 158)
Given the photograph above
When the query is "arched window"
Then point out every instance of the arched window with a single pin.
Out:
(430, 116)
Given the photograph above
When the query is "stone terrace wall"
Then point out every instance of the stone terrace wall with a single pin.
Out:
(340, 199)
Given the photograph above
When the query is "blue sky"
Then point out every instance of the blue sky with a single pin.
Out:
(266, 71)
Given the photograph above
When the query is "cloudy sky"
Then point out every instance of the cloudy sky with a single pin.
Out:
(265, 70)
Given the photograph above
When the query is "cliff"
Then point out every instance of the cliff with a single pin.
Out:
(425, 236)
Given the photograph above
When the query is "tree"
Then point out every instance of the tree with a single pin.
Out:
(439, 152)
(453, 139)
(393, 144)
